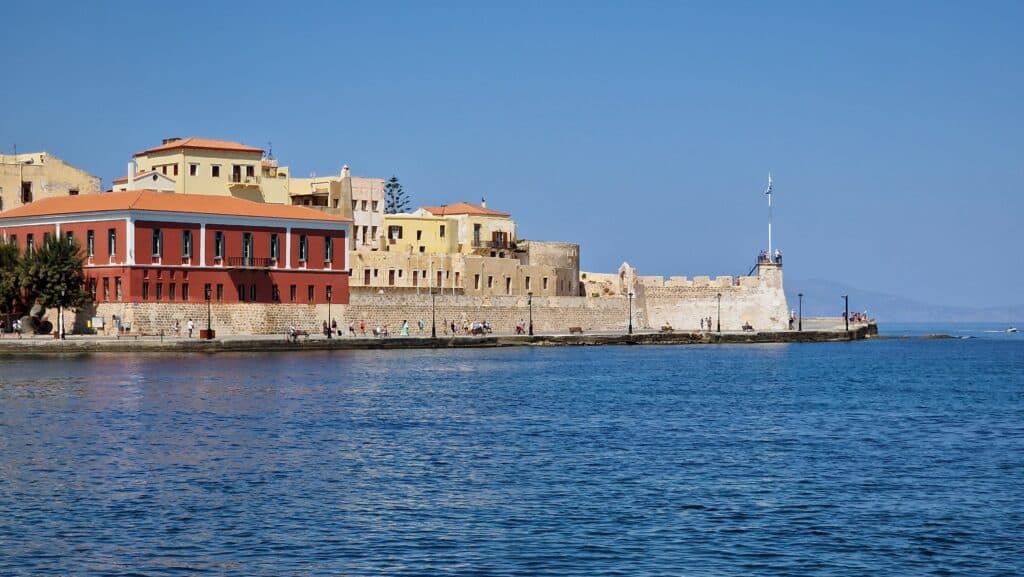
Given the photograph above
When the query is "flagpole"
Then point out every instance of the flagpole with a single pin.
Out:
(768, 192)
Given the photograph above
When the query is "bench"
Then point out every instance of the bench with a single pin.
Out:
(294, 335)
(575, 330)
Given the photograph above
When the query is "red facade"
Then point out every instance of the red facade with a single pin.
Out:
(167, 262)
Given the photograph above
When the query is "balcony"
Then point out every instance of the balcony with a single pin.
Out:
(496, 244)
(249, 262)
(240, 180)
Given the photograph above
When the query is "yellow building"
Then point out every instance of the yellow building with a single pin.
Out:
(28, 177)
(209, 166)
(481, 230)
(421, 232)
(357, 197)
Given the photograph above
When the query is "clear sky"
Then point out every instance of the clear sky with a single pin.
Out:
(643, 130)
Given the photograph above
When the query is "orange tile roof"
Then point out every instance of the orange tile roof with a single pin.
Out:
(464, 208)
(150, 200)
(204, 143)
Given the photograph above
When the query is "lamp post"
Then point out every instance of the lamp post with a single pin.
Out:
(60, 311)
(630, 329)
(846, 311)
(330, 330)
(209, 289)
(800, 313)
(433, 317)
(529, 302)
(719, 320)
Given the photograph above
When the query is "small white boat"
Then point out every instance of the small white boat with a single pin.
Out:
(1011, 330)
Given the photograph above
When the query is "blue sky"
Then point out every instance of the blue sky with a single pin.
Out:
(643, 130)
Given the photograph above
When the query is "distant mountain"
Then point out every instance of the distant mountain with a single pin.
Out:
(824, 298)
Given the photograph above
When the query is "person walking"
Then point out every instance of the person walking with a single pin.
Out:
(352, 328)
(190, 325)
(362, 326)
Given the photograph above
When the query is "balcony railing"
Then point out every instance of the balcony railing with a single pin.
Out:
(250, 262)
(242, 179)
(500, 244)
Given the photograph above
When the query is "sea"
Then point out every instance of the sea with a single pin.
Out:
(901, 456)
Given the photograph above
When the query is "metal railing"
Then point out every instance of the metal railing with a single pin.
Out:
(242, 179)
(249, 262)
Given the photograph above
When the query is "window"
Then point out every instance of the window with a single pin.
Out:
(275, 294)
(394, 232)
(117, 289)
(309, 292)
(423, 249)
(92, 288)
(46, 237)
(220, 292)
(13, 239)
(159, 290)
(90, 243)
(72, 192)
(26, 192)
(528, 283)
(184, 291)
(353, 206)
(106, 288)
(193, 169)
(158, 242)
(252, 292)
(292, 293)
(364, 205)
(145, 291)
(175, 169)
(207, 291)
(30, 243)
(303, 248)
(373, 232)
(275, 248)
(112, 242)
(170, 291)
(328, 249)
(508, 286)
(544, 283)
(439, 282)
(490, 282)
(215, 171)
(241, 293)
(69, 236)
(186, 244)
(476, 282)
(457, 279)
(218, 244)
(247, 248)
(442, 231)
(419, 235)
(250, 170)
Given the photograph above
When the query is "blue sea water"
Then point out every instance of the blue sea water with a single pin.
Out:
(891, 457)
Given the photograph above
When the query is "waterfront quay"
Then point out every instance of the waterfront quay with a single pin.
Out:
(42, 344)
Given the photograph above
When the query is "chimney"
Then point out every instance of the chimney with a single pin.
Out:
(131, 175)
(344, 171)
(171, 139)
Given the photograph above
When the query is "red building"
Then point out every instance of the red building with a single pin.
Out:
(159, 247)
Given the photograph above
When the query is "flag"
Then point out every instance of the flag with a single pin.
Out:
(769, 189)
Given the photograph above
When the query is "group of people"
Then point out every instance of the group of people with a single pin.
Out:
(856, 317)
(189, 326)
(521, 327)
(767, 257)
(705, 324)
(15, 327)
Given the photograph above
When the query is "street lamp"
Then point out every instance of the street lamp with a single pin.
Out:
(329, 325)
(846, 311)
(630, 312)
(60, 311)
(433, 317)
(529, 301)
(209, 289)
(719, 321)
(800, 317)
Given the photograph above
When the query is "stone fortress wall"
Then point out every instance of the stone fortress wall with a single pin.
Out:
(679, 302)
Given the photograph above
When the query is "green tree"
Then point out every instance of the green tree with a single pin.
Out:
(10, 279)
(52, 275)
(395, 199)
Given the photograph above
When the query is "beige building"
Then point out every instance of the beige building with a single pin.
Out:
(209, 166)
(357, 197)
(28, 177)
(480, 230)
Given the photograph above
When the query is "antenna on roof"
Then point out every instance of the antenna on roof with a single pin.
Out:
(270, 150)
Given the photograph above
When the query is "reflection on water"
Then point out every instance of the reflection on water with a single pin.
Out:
(896, 457)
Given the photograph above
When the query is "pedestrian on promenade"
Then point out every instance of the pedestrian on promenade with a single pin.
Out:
(453, 327)
(422, 325)
(702, 324)
(177, 328)
(190, 325)
(404, 330)
(326, 330)
(362, 326)
(334, 327)
(352, 328)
